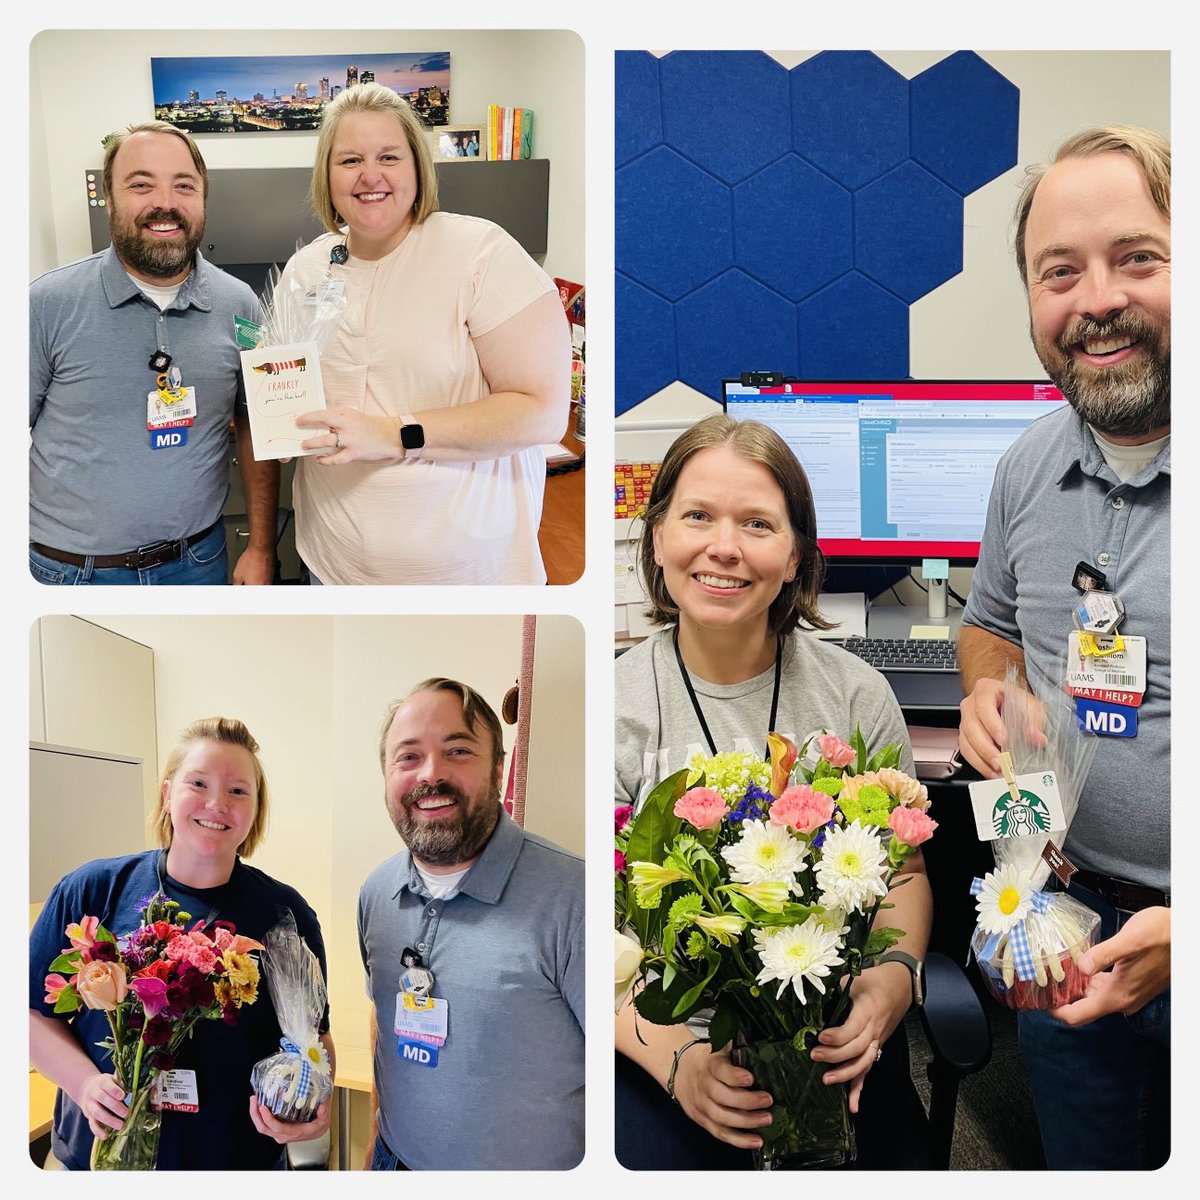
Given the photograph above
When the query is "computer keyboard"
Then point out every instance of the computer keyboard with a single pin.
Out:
(905, 654)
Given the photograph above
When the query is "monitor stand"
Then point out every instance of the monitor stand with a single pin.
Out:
(898, 620)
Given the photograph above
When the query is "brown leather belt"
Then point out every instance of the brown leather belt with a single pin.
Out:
(134, 560)
(1121, 893)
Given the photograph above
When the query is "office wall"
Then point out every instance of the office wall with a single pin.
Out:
(972, 326)
(86, 83)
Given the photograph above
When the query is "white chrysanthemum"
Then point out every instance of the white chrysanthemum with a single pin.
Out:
(797, 953)
(765, 853)
(1006, 898)
(852, 867)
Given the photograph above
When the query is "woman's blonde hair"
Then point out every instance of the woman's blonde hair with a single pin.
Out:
(372, 98)
(797, 599)
(1149, 150)
(229, 731)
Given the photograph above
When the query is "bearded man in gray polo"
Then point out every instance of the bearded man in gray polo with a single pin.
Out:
(472, 940)
(1082, 501)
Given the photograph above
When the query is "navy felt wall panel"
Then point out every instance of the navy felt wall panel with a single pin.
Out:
(785, 220)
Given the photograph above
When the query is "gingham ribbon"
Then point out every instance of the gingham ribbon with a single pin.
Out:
(305, 1068)
(1018, 939)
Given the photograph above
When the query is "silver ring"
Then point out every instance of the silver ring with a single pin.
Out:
(878, 1050)
(340, 445)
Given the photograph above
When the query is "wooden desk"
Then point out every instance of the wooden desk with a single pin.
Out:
(355, 1073)
(41, 1105)
(561, 532)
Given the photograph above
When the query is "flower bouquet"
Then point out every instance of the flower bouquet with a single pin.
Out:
(751, 888)
(1027, 941)
(153, 984)
(293, 1082)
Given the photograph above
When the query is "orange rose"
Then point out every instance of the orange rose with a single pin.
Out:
(101, 985)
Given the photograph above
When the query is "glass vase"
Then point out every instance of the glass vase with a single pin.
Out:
(810, 1120)
(133, 1147)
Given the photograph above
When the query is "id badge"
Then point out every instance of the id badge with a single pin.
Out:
(175, 1091)
(176, 415)
(326, 291)
(1124, 670)
(421, 1018)
(422, 1054)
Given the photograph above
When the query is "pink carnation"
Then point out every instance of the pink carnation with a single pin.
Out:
(622, 813)
(618, 861)
(911, 825)
(834, 751)
(802, 808)
(701, 807)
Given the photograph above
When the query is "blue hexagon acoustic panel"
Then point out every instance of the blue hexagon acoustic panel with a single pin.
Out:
(769, 219)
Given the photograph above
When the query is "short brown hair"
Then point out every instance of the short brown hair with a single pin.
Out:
(372, 98)
(476, 711)
(1148, 149)
(115, 141)
(796, 603)
(229, 731)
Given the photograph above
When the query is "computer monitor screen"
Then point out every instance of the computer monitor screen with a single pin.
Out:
(899, 470)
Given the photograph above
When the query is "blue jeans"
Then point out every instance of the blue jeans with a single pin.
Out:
(382, 1159)
(1102, 1091)
(206, 562)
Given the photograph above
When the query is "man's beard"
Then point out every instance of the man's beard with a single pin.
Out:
(154, 257)
(451, 840)
(1127, 400)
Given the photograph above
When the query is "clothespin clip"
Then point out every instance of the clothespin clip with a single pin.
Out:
(1006, 769)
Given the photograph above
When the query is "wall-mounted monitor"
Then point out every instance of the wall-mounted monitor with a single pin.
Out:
(900, 470)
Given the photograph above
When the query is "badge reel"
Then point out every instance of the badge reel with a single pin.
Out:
(1107, 669)
(170, 408)
(422, 1020)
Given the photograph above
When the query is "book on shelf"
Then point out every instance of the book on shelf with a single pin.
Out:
(510, 132)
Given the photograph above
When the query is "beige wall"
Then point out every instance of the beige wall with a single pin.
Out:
(109, 70)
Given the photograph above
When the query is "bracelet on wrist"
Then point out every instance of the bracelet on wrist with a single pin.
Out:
(675, 1065)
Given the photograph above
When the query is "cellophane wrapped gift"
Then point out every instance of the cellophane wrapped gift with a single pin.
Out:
(1056, 937)
(1034, 964)
(293, 1082)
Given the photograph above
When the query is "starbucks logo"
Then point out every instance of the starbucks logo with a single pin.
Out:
(1023, 817)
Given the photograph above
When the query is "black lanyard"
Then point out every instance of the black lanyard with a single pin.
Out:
(691, 691)
(160, 867)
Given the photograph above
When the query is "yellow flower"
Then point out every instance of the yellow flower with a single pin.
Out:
(241, 979)
(770, 896)
(726, 929)
(649, 879)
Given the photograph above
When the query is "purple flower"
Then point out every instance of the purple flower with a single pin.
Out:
(102, 952)
(753, 806)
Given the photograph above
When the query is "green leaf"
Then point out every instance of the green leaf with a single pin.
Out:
(65, 962)
(880, 940)
(68, 1000)
(657, 1003)
(889, 756)
(102, 935)
(856, 741)
(668, 973)
(653, 830)
(724, 1026)
(693, 999)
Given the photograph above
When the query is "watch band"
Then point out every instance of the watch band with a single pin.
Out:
(916, 969)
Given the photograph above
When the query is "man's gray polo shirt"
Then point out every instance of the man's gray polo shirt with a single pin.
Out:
(506, 951)
(1056, 502)
(96, 484)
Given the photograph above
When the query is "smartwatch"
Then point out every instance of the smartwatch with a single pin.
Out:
(412, 438)
(916, 969)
